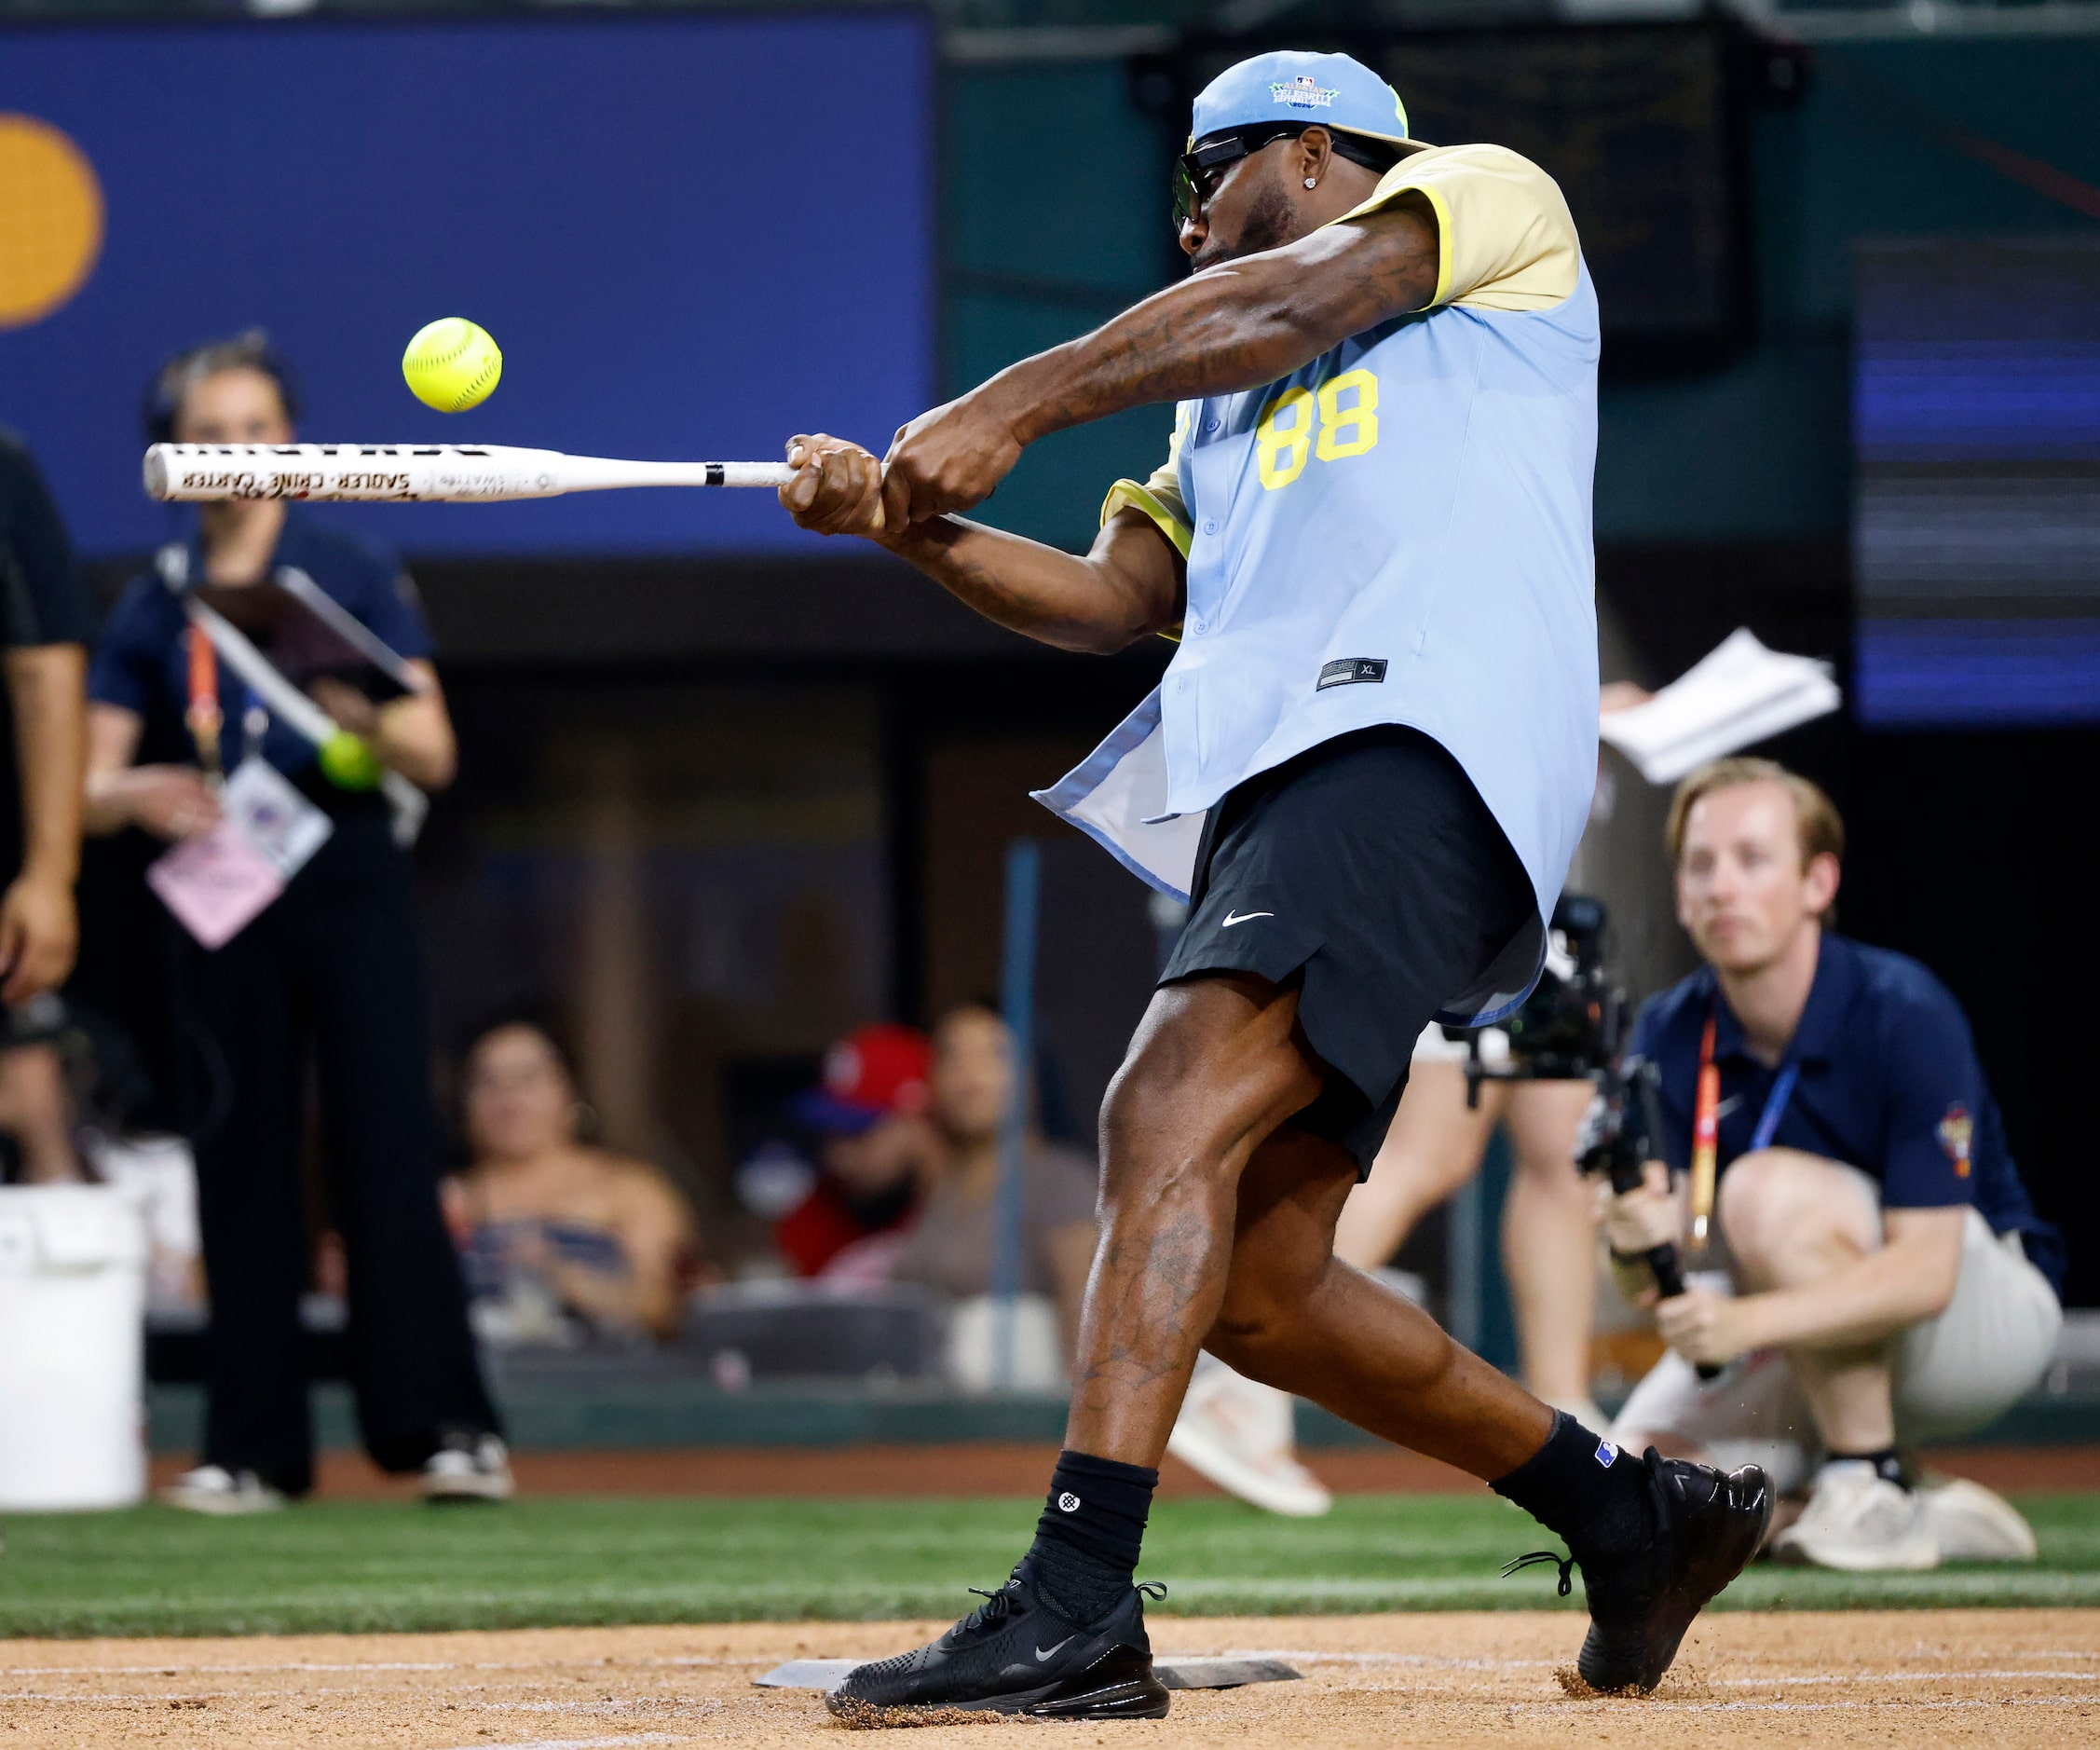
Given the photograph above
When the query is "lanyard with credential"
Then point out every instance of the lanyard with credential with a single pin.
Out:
(1706, 1125)
(203, 717)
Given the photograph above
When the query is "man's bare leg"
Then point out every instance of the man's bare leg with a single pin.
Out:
(1653, 1543)
(1296, 1316)
(1549, 1225)
(1214, 1068)
(1216, 1227)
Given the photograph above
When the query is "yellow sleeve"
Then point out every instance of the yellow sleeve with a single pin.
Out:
(1504, 237)
(1158, 496)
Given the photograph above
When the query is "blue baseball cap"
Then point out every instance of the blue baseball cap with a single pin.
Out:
(1335, 91)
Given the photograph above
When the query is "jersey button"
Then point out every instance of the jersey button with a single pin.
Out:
(1210, 525)
(1196, 627)
(1210, 424)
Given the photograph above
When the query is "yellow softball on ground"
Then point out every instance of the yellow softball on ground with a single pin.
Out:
(451, 364)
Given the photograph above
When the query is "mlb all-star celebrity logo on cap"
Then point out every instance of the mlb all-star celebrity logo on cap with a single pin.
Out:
(1335, 90)
(1303, 92)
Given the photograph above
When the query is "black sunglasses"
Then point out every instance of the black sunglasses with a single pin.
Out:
(1197, 173)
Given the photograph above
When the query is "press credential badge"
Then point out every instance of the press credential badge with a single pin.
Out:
(218, 885)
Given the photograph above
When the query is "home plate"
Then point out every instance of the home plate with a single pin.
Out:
(1177, 1673)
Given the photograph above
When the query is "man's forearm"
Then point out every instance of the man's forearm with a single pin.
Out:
(47, 684)
(1235, 327)
(1042, 592)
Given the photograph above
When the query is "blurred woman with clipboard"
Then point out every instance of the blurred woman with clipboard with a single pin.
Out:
(301, 947)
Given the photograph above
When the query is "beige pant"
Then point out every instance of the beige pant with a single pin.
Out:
(1951, 1375)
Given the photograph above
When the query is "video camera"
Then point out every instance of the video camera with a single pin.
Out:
(1573, 1027)
(1570, 1027)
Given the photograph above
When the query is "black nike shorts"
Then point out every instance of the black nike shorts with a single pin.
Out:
(1368, 873)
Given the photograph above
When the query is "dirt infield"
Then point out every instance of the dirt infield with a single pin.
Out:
(988, 1468)
(1920, 1678)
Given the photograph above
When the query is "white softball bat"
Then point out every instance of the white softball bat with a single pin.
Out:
(450, 473)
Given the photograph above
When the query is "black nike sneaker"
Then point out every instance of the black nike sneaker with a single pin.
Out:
(1014, 1654)
(1708, 1525)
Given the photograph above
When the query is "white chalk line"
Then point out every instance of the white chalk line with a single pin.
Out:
(596, 1705)
(1318, 1655)
(1304, 1655)
(1916, 1677)
(376, 1664)
(1893, 1704)
(1439, 1662)
(583, 1744)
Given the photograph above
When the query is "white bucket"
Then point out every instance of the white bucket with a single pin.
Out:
(72, 1279)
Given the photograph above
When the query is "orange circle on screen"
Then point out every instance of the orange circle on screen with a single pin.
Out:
(50, 220)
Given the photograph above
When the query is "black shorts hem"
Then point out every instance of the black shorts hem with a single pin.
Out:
(1370, 873)
(1344, 1111)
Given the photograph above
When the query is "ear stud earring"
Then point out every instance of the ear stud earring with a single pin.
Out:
(1312, 182)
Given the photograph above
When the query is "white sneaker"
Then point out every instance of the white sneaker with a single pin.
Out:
(1972, 1524)
(1858, 1520)
(469, 1468)
(1238, 1434)
(214, 1489)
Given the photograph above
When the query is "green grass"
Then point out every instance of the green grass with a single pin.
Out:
(368, 1566)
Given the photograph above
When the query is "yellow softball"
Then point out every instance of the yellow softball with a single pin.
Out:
(451, 364)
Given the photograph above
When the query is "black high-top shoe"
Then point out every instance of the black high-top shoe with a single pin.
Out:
(1014, 1654)
(1705, 1527)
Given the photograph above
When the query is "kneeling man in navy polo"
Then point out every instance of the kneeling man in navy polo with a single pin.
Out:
(1888, 1281)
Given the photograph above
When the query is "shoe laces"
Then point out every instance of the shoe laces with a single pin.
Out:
(997, 1606)
(1564, 1562)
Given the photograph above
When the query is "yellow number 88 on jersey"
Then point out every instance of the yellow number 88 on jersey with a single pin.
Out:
(1340, 421)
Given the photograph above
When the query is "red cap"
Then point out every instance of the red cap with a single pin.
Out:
(873, 1072)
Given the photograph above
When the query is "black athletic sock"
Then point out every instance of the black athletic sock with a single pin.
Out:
(1585, 1490)
(1887, 1465)
(1086, 1542)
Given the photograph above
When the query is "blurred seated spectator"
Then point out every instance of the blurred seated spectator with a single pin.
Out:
(562, 1240)
(877, 1151)
(950, 1248)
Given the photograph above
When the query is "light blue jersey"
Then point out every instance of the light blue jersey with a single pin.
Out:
(1397, 533)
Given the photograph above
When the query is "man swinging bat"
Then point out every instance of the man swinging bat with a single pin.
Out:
(1366, 767)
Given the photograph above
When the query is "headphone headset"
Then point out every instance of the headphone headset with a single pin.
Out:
(251, 351)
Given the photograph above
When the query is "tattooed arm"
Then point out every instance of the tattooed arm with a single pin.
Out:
(1130, 583)
(1233, 327)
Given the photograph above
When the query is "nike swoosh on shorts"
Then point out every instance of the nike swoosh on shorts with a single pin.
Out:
(1232, 919)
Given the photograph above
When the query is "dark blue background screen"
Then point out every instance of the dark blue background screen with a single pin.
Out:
(691, 236)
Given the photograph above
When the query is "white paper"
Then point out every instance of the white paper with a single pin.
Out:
(279, 822)
(1738, 694)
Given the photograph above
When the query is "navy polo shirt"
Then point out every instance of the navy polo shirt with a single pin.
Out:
(142, 660)
(1887, 1082)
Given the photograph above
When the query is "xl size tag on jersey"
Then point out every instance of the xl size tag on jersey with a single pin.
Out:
(1346, 670)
